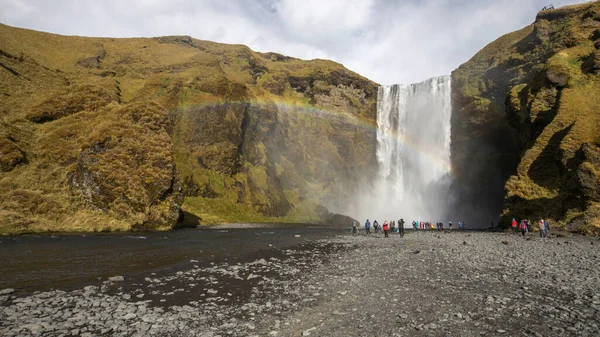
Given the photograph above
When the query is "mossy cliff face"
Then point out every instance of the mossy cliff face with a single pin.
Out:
(544, 82)
(107, 134)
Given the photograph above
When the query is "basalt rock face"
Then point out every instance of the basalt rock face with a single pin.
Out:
(118, 134)
(542, 81)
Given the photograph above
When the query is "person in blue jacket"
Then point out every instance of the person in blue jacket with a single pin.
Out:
(368, 227)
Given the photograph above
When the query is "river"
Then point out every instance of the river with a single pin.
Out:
(32, 263)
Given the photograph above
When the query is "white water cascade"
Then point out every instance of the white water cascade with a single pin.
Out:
(413, 152)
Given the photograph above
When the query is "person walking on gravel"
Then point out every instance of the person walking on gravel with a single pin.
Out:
(542, 226)
(354, 228)
(514, 225)
(523, 227)
(368, 227)
(376, 226)
(547, 228)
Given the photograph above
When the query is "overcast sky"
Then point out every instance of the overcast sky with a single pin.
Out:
(388, 41)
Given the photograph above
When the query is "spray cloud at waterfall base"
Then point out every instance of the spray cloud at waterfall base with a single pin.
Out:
(413, 153)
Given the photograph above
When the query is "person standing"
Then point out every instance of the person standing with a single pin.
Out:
(368, 227)
(513, 224)
(386, 228)
(401, 227)
(547, 228)
(376, 226)
(354, 227)
(393, 227)
(450, 225)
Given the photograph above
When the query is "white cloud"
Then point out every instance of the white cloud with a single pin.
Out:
(384, 40)
(318, 20)
(15, 9)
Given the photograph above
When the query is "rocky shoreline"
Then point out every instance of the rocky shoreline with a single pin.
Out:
(426, 284)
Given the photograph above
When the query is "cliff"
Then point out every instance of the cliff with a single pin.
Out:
(526, 110)
(115, 134)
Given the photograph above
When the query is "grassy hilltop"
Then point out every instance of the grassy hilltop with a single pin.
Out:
(118, 134)
(544, 82)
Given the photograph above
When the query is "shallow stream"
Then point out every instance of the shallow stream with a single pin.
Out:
(31, 263)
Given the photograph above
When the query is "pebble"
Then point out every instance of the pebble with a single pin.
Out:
(454, 277)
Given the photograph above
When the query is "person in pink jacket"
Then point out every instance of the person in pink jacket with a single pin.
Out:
(523, 227)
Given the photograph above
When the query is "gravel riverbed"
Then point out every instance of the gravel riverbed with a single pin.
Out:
(426, 284)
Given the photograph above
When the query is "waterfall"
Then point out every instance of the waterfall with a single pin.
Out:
(413, 151)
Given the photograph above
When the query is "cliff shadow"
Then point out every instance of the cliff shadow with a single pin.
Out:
(547, 167)
(532, 209)
(188, 220)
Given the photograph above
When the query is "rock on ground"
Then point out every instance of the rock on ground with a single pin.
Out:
(460, 284)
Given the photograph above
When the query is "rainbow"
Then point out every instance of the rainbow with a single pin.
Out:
(301, 107)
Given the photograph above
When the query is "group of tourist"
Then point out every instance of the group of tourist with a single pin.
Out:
(439, 225)
(398, 227)
(525, 226)
(386, 227)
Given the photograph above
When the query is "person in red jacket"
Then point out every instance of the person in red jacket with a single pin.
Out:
(514, 225)
(386, 228)
(523, 227)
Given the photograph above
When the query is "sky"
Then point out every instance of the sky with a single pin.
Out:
(387, 41)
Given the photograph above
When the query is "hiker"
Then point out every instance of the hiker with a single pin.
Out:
(401, 227)
(368, 227)
(547, 228)
(461, 225)
(415, 225)
(386, 228)
(393, 227)
(513, 224)
(523, 227)
(354, 227)
(542, 228)
(450, 225)
(376, 226)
